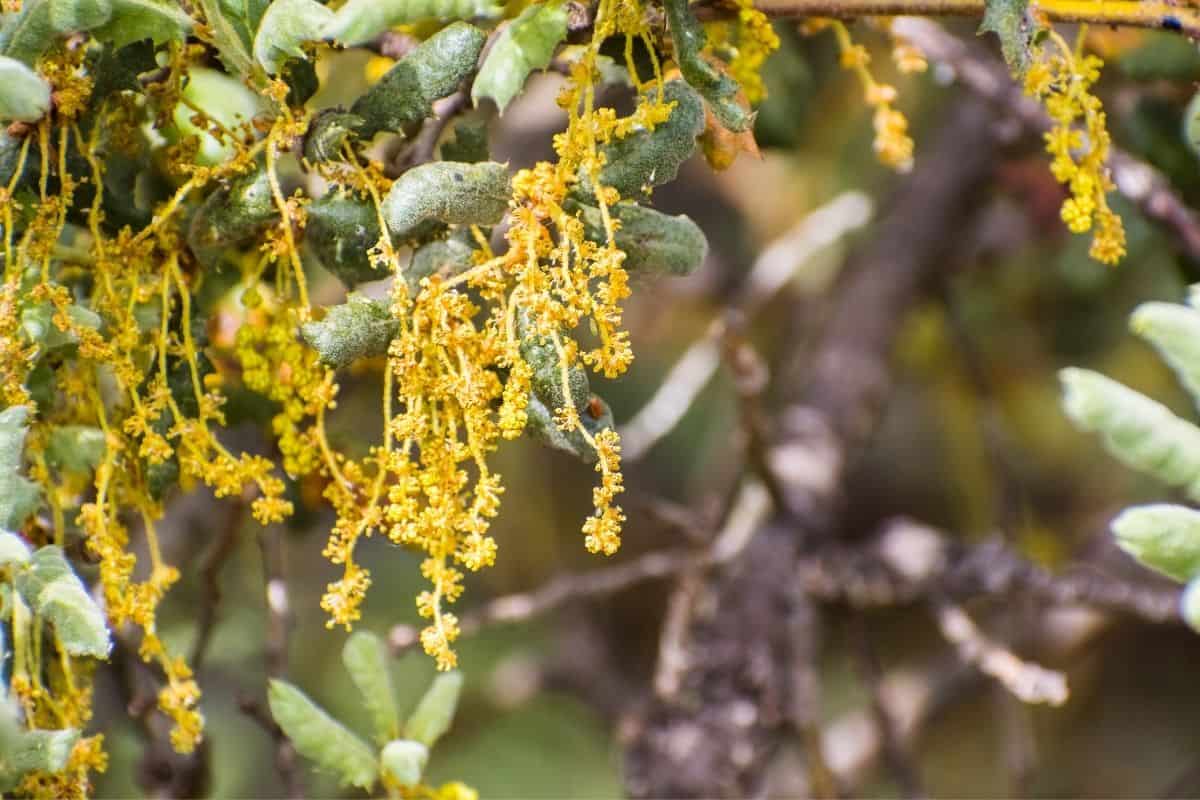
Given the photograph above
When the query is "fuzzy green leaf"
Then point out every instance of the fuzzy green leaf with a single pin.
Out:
(232, 216)
(341, 228)
(24, 95)
(434, 69)
(359, 328)
(1189, 604)
(540, 424)
(328, 131)
(26, 34)
(320, 738)
(448, 192)
(75, 448)
(404, 761)
(78, 622)
(1011, 22)
(19, 496)
(646, 159)
(285, 26)
(435, 712)
(24, 751)
(13, 551)
(444, 257)
(68, 16)
(1163, 537)
(134, 20)
(1139, 432)
(1174, 330)
(360, 21)
(47, 565)
(652, 241)
(37, 322)
(366, 659)
(717, 88)
(525, 44)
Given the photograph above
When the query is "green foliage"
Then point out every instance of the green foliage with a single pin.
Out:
(525, 45)
(24, 751)
(1164, 537)
(653, 242)
(359, 21)
(1010, 20)
(232, 217)
(75, 448)
(341, 229)
(286, 25)
(134, 20)
(446, 192)
(444, 257)
(720, 90)
(333, 747)
(358, 328)
(406, 92)
(24, 95)
(1174, 330)
(19, 496)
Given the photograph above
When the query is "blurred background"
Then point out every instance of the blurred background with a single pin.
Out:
(972, 441)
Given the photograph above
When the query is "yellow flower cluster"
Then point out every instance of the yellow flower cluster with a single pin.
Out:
(748, 41)
(1079, 143)
(893, 146)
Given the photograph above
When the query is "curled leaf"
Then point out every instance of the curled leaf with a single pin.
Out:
(434, 69)
(328, 131)
(1139, 432)
(24, 95)
(718, 88)
(649, 158)
(448, 192)
(524, 45)
(1163, 537)
(320, 738)
(444, 257)
(341, 228)
(651, 240)
(285, 26)
(78, 622)
(359, 328)
(232, 216)
(360, 21)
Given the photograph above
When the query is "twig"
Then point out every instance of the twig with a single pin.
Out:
(772, 270)
(210, 573)
(1028, 682)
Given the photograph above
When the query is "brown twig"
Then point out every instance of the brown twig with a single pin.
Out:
(210, 574)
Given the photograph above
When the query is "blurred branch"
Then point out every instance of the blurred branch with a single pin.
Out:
(1142, 184)
(772, 270)
(210, 573)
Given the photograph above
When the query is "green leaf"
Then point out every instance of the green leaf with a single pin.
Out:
(23, 751)
(646, 158)
(1189, 604)
(285, 26)
(435, 712)
(1174, 330)
(37, 322)
(232, 216)
(540, 424)
(340, 230)
(434, 69)
(328, 131)
(404, 761)
(448, 192)
(527, 43)
(366, 659)
(47, 565)
(652, 241)
(1139, 432)
(716, 87)
(359, 328)
(69, 16)
(134, 20)
(13, 551)
(19, 496)
(1011, 21)
(320, 738)
(78, 622)
(443, 257)
(26, 34)
(1163, 537)
(360, 21)
(222, 97)
(24, 95)
(75, 448)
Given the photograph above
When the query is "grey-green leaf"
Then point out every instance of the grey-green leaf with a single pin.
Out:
(449, 192)
(1189, 604)
(1140, 432)
(19, 496)
(360, 21)
(134, 20)
(24, 751)
(652, 241)
(232, 216)
(1174, 330)
(285, 26)
(24, 95)
(13, 551)
(320, 738)
(47, 565)
(435, 712)
(526, 44)
(78, 622)
(1012, 23)
(69, 16)
(341, 228)
(359, 328)
(443, 257)
(75, 448)
(366, 659)
(434, 69)
(649, 158)
(404, 761)
(1163, 537)
(718, 89)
